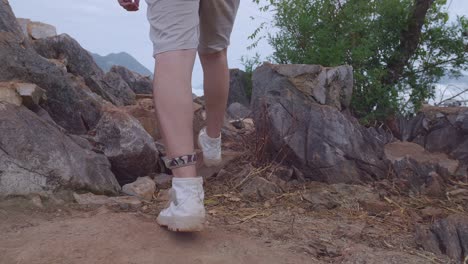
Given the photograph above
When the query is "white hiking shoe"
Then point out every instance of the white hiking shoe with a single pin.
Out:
(186, 212)
(211, 148)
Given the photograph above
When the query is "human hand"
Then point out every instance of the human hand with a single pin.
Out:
(130, 5)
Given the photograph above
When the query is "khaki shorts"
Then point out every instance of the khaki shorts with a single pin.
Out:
(191, 24)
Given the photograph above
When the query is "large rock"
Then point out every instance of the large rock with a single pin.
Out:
(297, 109)
(145, 113)
(69, 102)
(238, 111)
(23, 23)
(21, 93)
(238, 85)
(138, 83)
(120, 89)
(418, 166)
(325, 86)
(447, 236)
(130, 149)
(79, 62)
(36, 157)
(38, 30)
(438, 129)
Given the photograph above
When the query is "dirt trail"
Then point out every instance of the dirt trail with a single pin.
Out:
(307, 222)
(106, 237)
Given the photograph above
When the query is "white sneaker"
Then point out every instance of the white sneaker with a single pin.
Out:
(211, 148)
(186, 212)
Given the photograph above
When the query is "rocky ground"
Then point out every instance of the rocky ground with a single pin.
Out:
(249, 221)
(303, 181)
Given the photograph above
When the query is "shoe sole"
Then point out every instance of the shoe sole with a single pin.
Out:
(209, 162)
(186, 224)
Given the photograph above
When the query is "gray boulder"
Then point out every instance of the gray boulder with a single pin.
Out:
(422, 169)
(144, 111)
(239, 83)
(130, 149)
(23, 23)
(120, 89)
(36, 30)
(447, 236)
(37, 157)
(437, 129)
(238, 111)
(138, 83)
(297, 109)
(79, 62)
(70, 103)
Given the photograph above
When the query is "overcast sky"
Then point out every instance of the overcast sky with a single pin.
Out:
(101, 26)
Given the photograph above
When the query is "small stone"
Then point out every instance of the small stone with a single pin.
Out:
(164, 195)
(91, 199)
(434, 185)
(430, 212)
(238, 124)
(142, 188)
(249, 124)
(37, 201)
(8, 94)
(321, 200)
(375, 207)
(127, 202)
(163, 181)
(259, 188)
(31, 94)
(301, 211)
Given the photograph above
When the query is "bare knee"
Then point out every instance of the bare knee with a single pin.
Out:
(214, 56)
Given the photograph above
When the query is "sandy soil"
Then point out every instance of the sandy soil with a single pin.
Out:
(104, 237)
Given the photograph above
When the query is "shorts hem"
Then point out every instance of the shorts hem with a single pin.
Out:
(206, 50)
(176, 47)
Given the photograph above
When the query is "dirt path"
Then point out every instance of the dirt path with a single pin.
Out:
(106, 237)
(309, 222)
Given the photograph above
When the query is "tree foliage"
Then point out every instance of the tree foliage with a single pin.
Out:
(398, 48)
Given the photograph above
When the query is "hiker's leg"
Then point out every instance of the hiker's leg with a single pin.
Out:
(216, 87)
(216, 23)
(175, 35)
(173, 100)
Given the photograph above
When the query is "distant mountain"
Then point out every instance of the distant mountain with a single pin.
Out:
(122, 59)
